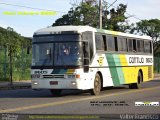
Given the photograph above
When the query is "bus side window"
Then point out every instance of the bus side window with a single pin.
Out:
(140, 46)
(122, 44)
(151, 46)
(99, 42)
(130, 45)
(134, 45)
(116, 43)
(105, 42)
(88, 36)
(110, 43)
(127, 48)
(147, 47)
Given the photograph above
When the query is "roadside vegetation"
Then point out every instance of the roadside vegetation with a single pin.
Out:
(14, 60)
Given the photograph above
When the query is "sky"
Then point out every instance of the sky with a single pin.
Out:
(27, 24)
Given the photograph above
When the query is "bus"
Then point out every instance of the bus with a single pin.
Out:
(86, 58)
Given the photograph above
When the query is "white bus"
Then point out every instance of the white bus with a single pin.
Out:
(86, 58)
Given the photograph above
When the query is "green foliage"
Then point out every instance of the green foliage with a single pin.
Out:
(150, 27)
(20, 65)
(116, 19)
(87, 13)
(13, 52)
(12, 40)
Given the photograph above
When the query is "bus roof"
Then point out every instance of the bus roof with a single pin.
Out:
(80, 29)
(116, 33)
(58, 29)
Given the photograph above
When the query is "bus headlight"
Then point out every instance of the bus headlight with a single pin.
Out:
(73, 83)
(35, 83)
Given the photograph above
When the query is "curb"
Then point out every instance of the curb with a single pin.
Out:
(16, 85)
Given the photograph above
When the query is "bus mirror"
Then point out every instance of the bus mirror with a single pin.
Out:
(86, 65)
(86, 62)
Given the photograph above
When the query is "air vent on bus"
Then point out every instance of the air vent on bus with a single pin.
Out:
(150, 72)
(48, 76)
(53, 76)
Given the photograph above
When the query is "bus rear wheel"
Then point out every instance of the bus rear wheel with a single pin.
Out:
(97, 85)
(55, 92)
(139, 81)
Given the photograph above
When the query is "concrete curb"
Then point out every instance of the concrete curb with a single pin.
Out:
(16, 85)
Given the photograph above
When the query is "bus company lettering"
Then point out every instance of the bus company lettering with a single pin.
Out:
(140, 60)
(149, 60)
(136, 60)
(40, 72)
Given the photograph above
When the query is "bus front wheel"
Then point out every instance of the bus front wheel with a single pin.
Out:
(139, 81)
(56, 92)
(97, 85)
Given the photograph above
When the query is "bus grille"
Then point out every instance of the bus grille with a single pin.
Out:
(58, 76)
(53, 76)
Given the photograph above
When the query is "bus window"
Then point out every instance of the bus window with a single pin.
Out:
(99, 42)
(110, 43)
(116, 43)
(130, 44)
(140, 46)
(134, 45)
(150, 47)
(122, 44)
(147, 47)
(89, 37)
(105, 42)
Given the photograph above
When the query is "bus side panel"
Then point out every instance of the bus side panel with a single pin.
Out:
(100, 64)
(116, 69)
(123, 72)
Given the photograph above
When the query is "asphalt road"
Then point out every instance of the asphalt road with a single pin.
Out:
(116, 100)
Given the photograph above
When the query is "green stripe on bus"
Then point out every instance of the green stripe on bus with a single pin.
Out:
(112, 68)
(119, 69)
(100, 30)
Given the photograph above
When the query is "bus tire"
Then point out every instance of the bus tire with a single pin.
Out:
(97, 85)
(139, 81)
(55, 92)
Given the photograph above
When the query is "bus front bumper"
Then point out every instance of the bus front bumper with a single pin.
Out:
(62, 84)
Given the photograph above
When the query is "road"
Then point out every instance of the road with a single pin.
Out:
(117, 100)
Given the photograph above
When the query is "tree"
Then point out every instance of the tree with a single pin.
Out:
(87, 13)
(12, 41)
(117, 18)
(149, 27)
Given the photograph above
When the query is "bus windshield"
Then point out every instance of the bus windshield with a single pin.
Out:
(56, 53)
(67, 54)
(42, 54)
